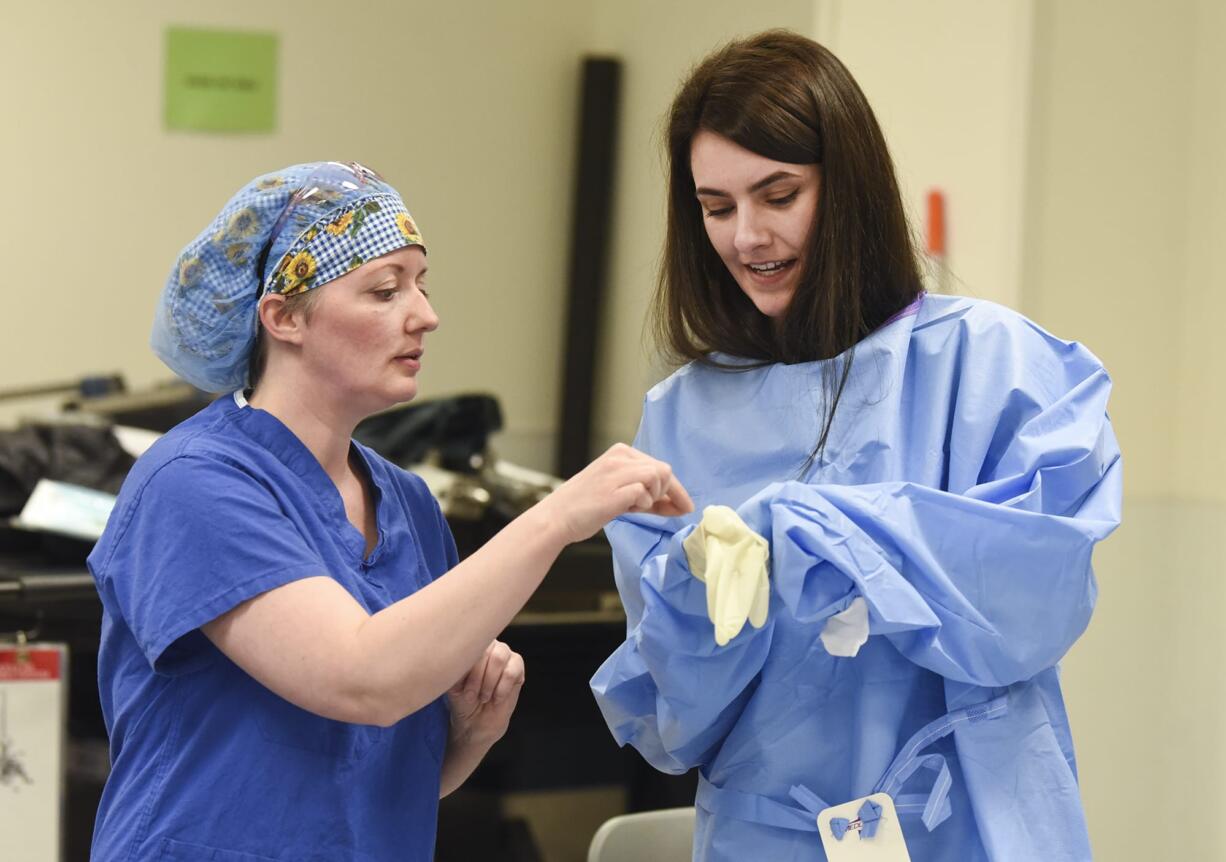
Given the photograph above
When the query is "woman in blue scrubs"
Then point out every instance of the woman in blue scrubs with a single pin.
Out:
(284, 672)
(911, 486)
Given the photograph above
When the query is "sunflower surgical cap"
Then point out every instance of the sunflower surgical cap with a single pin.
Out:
(285, 232)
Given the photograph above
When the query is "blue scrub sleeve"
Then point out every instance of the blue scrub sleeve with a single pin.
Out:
(200, 538)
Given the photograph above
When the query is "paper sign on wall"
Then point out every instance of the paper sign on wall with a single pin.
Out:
(33, 696)
(220, 81)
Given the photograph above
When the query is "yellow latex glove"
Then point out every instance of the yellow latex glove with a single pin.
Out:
(731, 560)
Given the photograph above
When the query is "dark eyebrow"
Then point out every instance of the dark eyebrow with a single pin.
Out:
(760, 184)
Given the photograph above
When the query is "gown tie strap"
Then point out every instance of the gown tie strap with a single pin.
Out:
(933, 807)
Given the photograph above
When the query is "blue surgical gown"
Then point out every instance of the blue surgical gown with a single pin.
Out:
(969, 471)
(206, 763)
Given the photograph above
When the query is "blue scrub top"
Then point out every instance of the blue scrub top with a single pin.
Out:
(969, 471)
(206, 763)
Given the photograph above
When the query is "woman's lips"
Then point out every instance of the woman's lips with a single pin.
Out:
(772, 276)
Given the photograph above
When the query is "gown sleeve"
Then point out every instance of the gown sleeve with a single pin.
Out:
(986, 580)
(669, 690)
(990, 582)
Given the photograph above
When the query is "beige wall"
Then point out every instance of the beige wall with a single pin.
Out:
(922, 65)
(1199, 465)
(468, 108)
(1108, 216)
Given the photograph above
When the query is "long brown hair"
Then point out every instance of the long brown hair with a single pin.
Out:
(787, 98)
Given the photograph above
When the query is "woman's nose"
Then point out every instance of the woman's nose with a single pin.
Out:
(750, 232)
(422, 316)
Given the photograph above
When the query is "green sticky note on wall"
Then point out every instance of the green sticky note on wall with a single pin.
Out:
(221, 81)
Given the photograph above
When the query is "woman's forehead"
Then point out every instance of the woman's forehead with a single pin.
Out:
(719, 165)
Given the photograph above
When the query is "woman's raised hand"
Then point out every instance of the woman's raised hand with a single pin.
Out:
(621, 480)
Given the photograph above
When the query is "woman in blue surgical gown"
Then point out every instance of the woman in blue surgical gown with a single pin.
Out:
(928, 475)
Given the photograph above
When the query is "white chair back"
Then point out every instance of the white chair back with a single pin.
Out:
(647, 836)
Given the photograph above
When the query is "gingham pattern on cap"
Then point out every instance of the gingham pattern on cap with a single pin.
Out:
(342, 240)
(205, 324)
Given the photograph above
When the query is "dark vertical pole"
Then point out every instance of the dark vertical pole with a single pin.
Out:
(589, 253)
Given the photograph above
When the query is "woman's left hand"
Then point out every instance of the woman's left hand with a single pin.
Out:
(482, 702)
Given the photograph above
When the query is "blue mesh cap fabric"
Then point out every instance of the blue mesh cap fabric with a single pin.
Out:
(285, 232)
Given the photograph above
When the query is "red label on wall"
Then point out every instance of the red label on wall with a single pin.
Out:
(29, 663)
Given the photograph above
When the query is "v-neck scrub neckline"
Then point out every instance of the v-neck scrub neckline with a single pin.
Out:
(272, 433)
